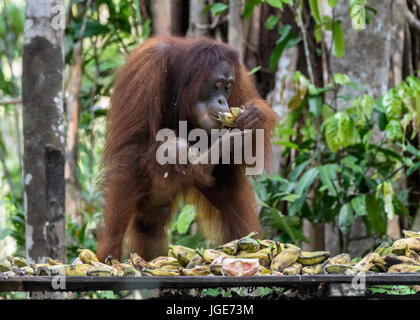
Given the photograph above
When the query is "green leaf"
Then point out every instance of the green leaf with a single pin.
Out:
(388, 195)
(375, 217)
(315, 105)
(286, 36)
(394, 131)
(314, 6)
(393, 105)
(290, 197)
(254, 70)
(297, 171)
(302, 188)
(185, 218)
(339, 131)
(327, 173)
(359, 205)
(279, 3)
(332, 3)
(271, 22)
(218, 8)
(249, 7)
(339, 42)
(345, 218)
(341, 79)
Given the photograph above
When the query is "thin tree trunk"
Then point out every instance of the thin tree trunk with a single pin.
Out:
(198, 20)
(43, 130)
(236, 27)
(161, 12)
(73, 188)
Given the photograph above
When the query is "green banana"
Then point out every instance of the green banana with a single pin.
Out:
(230, 248)
(110, 260)
(77, 270)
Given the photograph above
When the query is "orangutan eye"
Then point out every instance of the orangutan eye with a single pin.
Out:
(219, 84)
(229, 85)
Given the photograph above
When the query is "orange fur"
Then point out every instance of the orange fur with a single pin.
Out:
(155, 89)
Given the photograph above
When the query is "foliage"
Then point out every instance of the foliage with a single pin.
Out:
(341, 169)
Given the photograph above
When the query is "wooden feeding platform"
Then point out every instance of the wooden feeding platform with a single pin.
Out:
(312, 285)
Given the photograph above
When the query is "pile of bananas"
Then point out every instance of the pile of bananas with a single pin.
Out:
(242, 257)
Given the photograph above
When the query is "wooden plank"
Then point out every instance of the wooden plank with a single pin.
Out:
(43, 283)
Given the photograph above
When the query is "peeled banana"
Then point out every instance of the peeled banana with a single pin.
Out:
(228, 118)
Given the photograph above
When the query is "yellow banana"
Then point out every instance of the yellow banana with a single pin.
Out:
(248, 244)
(284, 259)
(399, 247)
(209, 255)
(162, 272)
(369, 261)
(183, 254)
(77, 270)
(404, 268)
(42, 270)
(229, 248)
(343, 258)
(29, 271)
(311, 258)
(138, 262)
(163, 261)
(58, 269)
(391, 260)
(314, 269)
(87, 256)
(110, 260)
(126, 269)
(216, 269)
(411, 234)
(293, 269)
(195, 261)
(53, 262)
(196, 271)
(264, 271)
(263, 257)
(342, 269)
(5, 265)
(19, 262)
(235, 111)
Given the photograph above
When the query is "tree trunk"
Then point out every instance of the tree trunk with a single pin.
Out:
(366, 62)
(161, 12)
(236, 27)
(43, 130)
(197, 19)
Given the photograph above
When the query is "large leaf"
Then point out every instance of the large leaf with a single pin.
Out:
(338, 38)
(376, 219)
(359, 205)
(339, 131)
(388, 195)
(302, 188)
(327, 174)
(345, 218)
(286, 36)
(185, 218)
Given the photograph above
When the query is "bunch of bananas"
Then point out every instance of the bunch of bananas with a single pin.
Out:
(244, 256)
